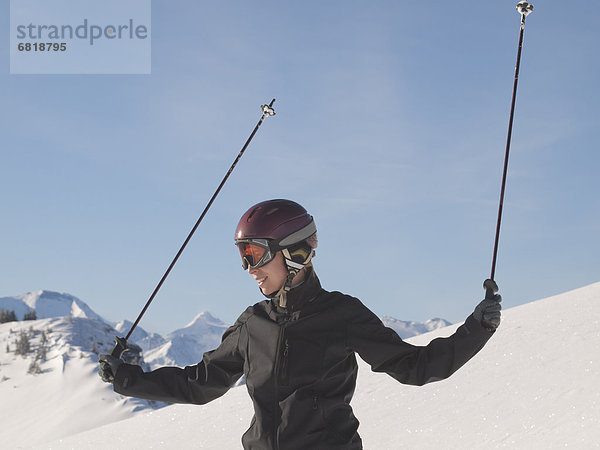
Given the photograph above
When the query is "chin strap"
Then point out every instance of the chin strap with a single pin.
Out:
(287, 286)
(293, 269)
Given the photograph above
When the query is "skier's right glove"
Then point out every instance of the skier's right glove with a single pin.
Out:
(487, 313)
(108, 367)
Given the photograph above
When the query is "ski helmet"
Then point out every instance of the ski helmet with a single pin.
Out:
(272, 226)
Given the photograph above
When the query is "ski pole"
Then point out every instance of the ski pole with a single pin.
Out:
(524, 8)
(121, 343)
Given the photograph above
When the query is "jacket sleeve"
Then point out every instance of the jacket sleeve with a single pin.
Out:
(199, 384)
(385, 351)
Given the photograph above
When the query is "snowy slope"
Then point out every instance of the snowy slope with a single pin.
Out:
(534, 386)
(65, 395)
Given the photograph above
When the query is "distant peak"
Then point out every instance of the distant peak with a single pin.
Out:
(205, 317)
(437, 319)
(46, 294)
(48, 303)
(54, 294)
(202, 323)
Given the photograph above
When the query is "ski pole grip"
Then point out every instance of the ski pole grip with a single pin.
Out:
(120, 347)
(491, 288)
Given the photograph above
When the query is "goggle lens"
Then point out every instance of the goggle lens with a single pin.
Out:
(252, 254)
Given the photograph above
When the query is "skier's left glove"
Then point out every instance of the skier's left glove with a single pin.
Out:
(487, 313)
(108, 367)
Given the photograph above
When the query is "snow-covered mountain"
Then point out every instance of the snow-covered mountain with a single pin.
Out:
(406, 329)
(141, 337)
(49, 386)
(186, 345)
(48, 304)
(533, 386)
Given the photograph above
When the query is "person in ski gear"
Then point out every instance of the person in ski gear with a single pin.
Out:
(297, 348)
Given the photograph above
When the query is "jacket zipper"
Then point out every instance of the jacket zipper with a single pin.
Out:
(280, 364)
(284, 365)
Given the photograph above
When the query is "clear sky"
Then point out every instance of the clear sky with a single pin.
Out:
(390, 129)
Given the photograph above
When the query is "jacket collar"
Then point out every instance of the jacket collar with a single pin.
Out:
(299, 297)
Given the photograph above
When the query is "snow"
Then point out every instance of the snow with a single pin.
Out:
(48, 304)
(406, 329)
(534, 386)
(66, 397)
(146, 341)
(187, 345)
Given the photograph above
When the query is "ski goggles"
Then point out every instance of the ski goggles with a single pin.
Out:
(255, 253)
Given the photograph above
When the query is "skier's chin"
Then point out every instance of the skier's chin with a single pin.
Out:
(268, 294)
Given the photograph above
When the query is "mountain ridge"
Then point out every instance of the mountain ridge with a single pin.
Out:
(47, 304)
(181, 347)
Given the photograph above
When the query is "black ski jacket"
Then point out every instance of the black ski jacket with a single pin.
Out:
(300, 367)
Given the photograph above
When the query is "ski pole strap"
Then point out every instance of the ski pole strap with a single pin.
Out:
(120, 347)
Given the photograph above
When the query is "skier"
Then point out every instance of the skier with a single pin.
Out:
(297, 348)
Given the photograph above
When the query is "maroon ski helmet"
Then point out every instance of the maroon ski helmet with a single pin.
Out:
(283, 222)
(276, 226)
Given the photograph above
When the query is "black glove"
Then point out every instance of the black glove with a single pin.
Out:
(108, 367)
(487, 312)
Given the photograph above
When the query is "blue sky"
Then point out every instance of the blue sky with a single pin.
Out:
(390, 129)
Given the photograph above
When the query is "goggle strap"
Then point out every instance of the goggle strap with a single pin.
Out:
(299, 235)
(292, 264)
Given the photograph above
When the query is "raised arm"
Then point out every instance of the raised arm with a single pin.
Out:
(386, 352)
